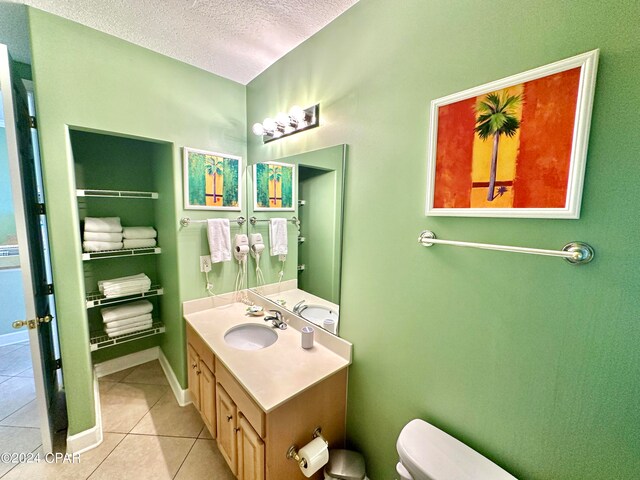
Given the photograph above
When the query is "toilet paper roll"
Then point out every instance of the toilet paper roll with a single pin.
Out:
(313, 456)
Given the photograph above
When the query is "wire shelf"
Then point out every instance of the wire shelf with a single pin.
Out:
(97, 299)
(99, 340)
(123, 252)
(116, 194)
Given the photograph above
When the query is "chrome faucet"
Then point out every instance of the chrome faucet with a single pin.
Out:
(277, 321)
(298, 307)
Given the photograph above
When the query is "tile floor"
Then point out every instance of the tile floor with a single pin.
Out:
(147, 435)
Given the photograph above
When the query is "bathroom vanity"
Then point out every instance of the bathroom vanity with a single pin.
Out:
(257, 403)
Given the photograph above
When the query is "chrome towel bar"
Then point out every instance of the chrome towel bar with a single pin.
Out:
(576, 253)
(254, 220)
(186, 221)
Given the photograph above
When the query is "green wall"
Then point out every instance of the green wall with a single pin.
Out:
(531, 361)
(93, 81)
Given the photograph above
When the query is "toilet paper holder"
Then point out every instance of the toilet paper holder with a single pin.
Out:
(292, 452)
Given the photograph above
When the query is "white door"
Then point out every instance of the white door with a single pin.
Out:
(29, 221)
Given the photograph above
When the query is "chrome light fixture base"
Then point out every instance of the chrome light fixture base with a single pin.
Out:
(286, 125)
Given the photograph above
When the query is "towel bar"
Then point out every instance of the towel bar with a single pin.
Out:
(186, 221)
(576, 253)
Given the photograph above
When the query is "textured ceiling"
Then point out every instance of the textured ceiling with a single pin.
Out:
(236, 39)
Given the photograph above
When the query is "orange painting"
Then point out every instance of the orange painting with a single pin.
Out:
(513, 147)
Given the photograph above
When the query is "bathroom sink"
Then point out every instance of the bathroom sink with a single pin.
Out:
(250, 336)
(318, 314)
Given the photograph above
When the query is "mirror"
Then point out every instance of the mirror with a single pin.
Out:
(307, 191)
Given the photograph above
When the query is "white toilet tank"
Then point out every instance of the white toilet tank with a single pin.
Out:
(428, 453)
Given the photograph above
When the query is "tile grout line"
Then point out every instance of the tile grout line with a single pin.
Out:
(185, 458)
(106, 456)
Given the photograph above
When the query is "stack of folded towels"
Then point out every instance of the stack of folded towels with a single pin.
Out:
(103, 233)
(139, 237)
(128, 318)
(119, 287)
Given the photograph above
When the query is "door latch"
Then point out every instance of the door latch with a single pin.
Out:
(32, 323)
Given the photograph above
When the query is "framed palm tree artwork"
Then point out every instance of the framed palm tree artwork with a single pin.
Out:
(212, 181)
(515, 147)
(274, 186)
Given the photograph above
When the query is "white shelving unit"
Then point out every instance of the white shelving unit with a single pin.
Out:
(99, 339)
(124, 252)
(97, 299)
(116, 194)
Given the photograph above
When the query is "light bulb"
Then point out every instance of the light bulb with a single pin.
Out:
(277, 133)
(269, 124)
(282, 118)
(297, 113)
(258, 129)
(289, 129)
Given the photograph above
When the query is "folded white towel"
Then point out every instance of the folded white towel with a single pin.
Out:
(144, 323)
(102, 224)
(139, 243)
(101, 246)
(128, 321)
(139, 232)
(102, 237)
(219, 235)
(278, 236)
(129, 310)
(118, 287)
(129, 330)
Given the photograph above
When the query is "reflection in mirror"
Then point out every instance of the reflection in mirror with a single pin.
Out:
(295, 208)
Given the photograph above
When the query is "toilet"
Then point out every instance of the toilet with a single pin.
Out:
(428, 453)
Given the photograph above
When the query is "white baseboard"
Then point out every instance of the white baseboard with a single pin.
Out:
(91, 438)
(14, 337)
(127, 361)
(182, 396)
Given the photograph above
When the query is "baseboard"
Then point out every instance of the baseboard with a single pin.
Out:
(14, 337)
(127, 361)
(91, 438)
(182, 396)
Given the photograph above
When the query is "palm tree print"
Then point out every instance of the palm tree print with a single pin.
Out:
(275, 176)
(496, 117)
(213, 166)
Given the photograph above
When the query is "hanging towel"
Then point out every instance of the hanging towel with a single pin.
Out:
(139, 243)
(139, 232)
(102, 237)
(129, 310)
(278, 236)
(118, 287)
(101, 246)
(128, 321)
(102, 224)
(129, 330)
(219, 235)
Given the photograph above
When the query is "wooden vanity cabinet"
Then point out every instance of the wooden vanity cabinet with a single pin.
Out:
(254, 443)
(202, 382)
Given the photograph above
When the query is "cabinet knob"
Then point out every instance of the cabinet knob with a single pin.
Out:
(229, 417)
(194, 365)
(198, 372)
(237, 429)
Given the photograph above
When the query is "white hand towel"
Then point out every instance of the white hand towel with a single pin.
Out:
(278, 236)
(139, 232)
(139, 243)
(102, 237)
(219, 235)
(129, 310)
(128, 321)
(144, 323)
(101, 246)
(102, 224)
(125, 285)
(129, 330)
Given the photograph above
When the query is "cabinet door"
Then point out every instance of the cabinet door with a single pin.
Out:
(208, 398)
(227, 424)
(194, 381)
(250, 453)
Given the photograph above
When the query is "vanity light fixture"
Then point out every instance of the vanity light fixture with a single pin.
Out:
(297, 120)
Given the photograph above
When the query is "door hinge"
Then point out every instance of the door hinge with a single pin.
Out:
(48, 289)
(41, 209)
(33, 122)
(58, 363)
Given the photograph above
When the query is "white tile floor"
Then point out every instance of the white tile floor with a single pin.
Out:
(147, 435)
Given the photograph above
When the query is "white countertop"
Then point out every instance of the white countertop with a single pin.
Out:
(275, 374)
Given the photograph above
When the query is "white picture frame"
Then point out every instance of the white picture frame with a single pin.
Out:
(587, 62)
